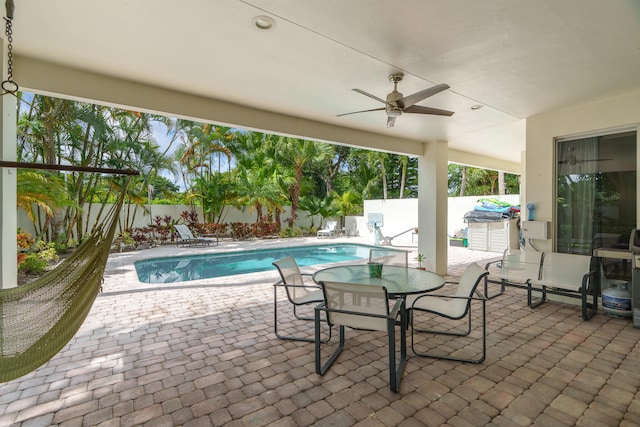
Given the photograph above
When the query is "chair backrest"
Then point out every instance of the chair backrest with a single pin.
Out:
(389, 256)
(564, 270)
(184, 232)
(519, 265)
(467, 286)
(361, 300)
(290, 274)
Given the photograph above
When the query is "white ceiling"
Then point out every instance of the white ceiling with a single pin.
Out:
(517, 58)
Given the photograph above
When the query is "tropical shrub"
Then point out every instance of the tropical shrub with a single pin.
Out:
(162, 229)
(240, 231)
(291, 232)
(37, 261)
(215, 229)
(265, 227)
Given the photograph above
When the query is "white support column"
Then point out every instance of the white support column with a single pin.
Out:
(8, 225)
(432, 205)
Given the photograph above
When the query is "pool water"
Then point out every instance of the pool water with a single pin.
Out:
(196, 267)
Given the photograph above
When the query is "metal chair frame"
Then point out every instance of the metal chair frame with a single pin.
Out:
(398, 257)
(479, 274)
(396, 367)
(282, 283)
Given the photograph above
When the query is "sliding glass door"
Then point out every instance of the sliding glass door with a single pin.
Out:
(596, 192)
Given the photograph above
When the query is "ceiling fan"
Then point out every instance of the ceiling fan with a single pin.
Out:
(396, 103)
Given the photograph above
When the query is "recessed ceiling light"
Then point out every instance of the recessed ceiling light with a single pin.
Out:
(475, 107)
(263, 22)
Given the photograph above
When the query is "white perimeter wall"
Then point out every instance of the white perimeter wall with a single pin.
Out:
(174, 211)
(401, 215)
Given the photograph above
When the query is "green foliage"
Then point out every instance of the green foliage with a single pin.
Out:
(479, 182)
(291, 232)
(348, 203)
(126, 239)
(63, 244)
(43, 255)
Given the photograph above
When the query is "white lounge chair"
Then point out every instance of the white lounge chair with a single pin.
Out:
(187, 238)
(329, 230)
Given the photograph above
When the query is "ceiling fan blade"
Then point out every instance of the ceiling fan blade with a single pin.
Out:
(360, 91)
(410, 100)
(391, 121)
(363, 111)
(428, 110)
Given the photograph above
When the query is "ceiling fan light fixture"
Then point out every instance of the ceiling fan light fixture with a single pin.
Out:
(264, 23)
(394, 112)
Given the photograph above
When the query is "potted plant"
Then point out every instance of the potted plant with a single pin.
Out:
(420, 258)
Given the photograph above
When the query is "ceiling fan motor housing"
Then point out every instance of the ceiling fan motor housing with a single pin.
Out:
(394, 104)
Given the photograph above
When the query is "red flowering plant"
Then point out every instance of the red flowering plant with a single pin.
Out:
(25, 241)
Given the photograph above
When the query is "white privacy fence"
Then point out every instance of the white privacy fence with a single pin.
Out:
(399, 215)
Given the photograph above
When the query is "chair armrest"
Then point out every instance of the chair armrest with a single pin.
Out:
(479, 298)
(281, 283)
(486, 266)
(397, 306)
(392, 313)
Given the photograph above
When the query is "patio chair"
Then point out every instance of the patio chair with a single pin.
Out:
(362, 307)
(298, 294)
(389, 256)
(455, 306)
(329, 230)
(187, 237)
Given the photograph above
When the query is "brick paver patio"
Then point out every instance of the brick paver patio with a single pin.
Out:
(203, 353)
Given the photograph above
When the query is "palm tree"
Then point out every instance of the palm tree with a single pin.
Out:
(347, 203)
(44, 192)
(299, 152)
(314, 206)
(381, 157)
(404, 161)
(197, 156)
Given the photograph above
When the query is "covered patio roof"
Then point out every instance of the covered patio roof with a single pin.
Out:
(505, 62)
(207, 60)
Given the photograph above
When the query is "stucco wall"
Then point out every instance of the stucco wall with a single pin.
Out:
(402, 215)
(608, 115)
(174, 211)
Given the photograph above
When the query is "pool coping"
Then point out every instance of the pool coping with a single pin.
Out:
(210, 256)
(120, 274)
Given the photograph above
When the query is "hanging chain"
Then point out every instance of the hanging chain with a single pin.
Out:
(9, 86)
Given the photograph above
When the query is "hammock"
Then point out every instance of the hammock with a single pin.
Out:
(38, 319)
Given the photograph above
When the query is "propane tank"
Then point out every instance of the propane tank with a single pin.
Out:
(616, 300)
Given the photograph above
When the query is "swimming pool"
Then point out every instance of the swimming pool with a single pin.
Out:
(206, 266)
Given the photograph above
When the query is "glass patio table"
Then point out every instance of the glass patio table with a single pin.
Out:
(399, 281)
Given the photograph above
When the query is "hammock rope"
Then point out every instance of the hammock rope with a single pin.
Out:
(38, 319)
